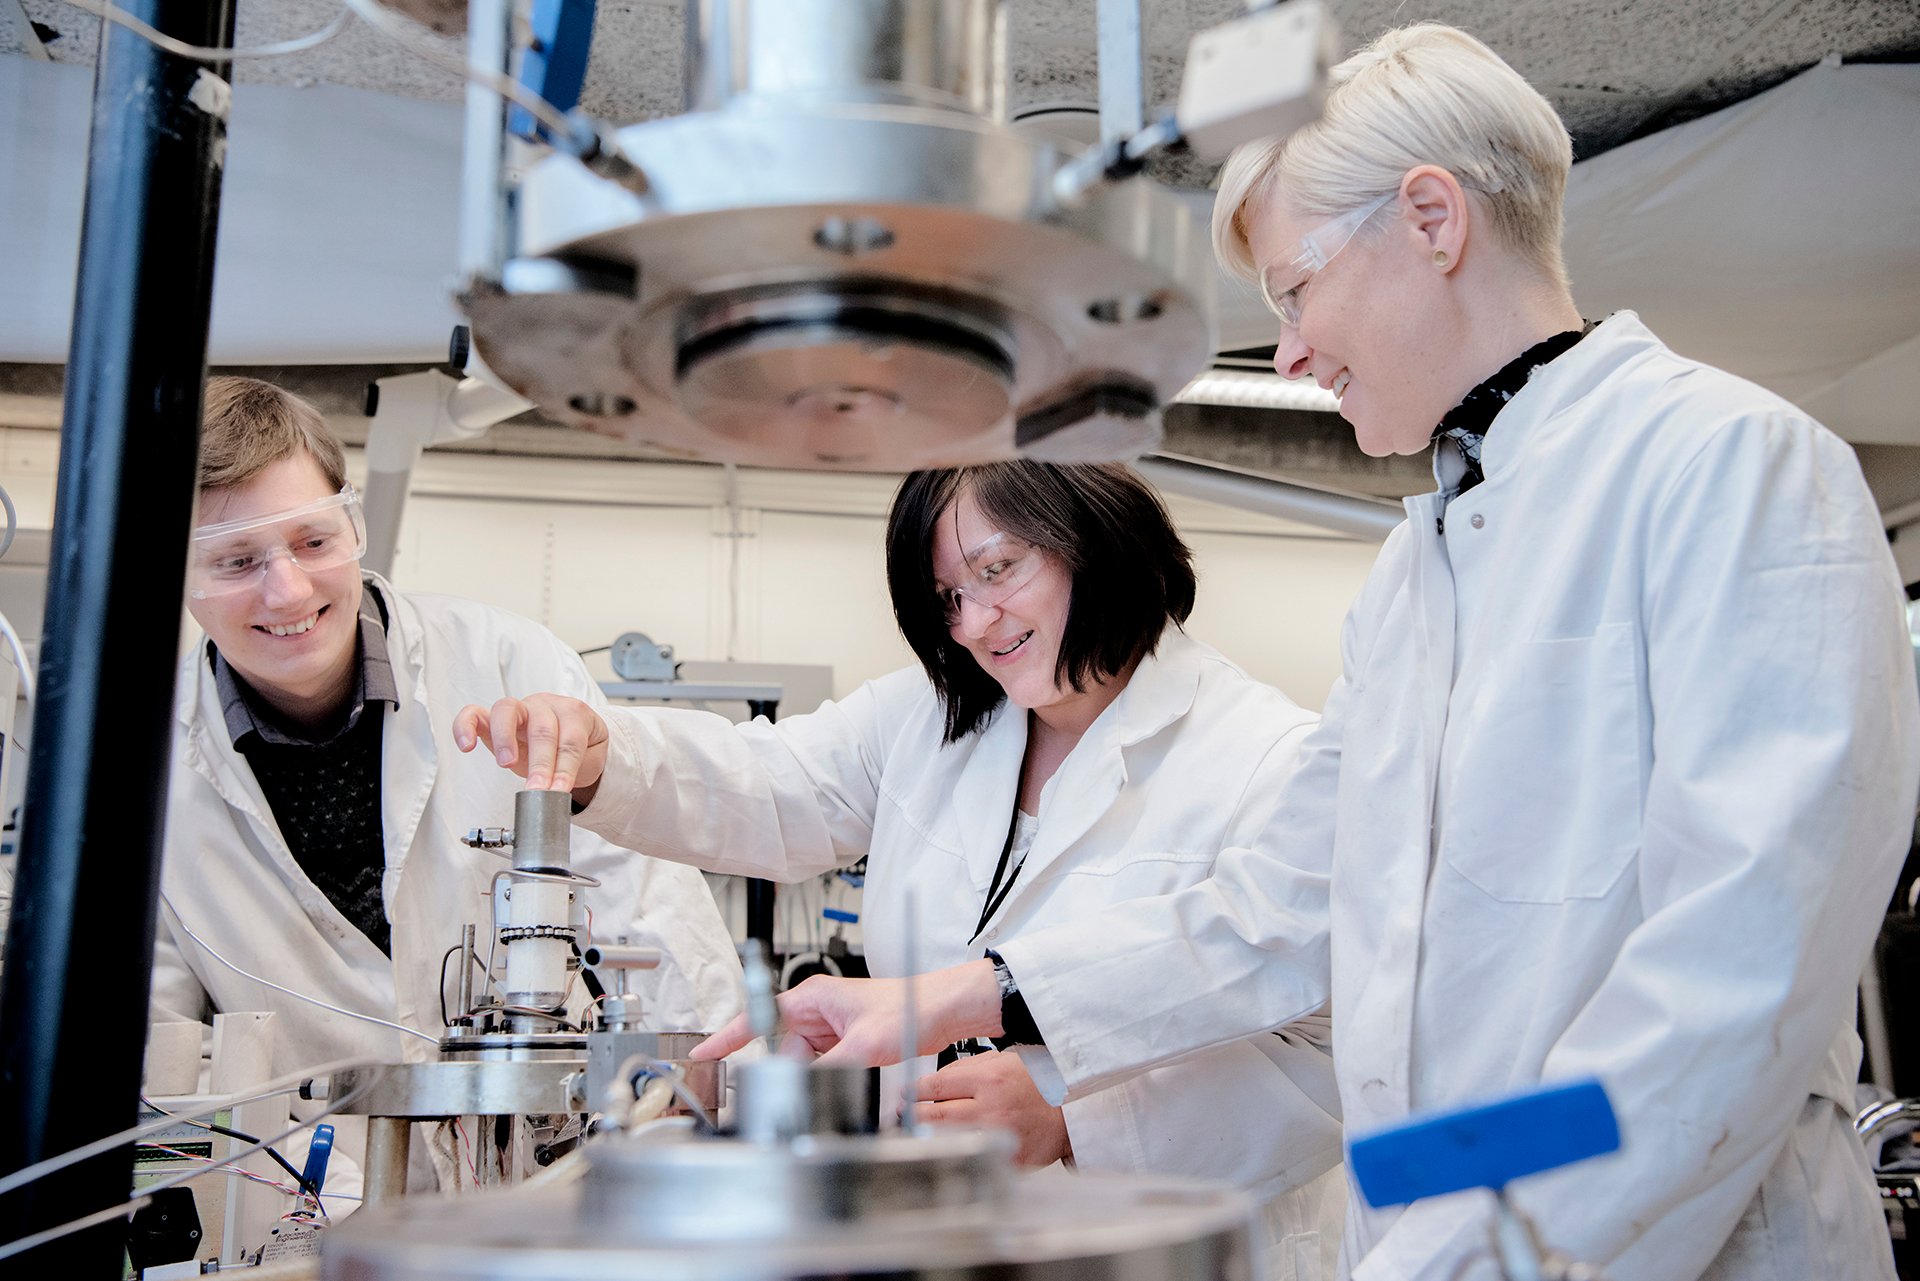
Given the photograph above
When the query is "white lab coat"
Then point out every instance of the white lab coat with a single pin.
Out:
(229, 874)
(1185, 761)
(1617, 780)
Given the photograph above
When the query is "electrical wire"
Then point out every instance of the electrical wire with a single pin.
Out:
(299, 1176)
(287, 1188)
(391, 25)
(408, 36)
(213, 53)
(287, 1084)
(145, 1195)
(301, 996)
(20, 656)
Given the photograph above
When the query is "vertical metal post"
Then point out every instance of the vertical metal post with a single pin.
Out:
(90, 842)
(389, 1144)
(485, 222)
(761, 895)
(1122, 69)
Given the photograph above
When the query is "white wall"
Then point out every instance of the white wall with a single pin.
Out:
(593, 549)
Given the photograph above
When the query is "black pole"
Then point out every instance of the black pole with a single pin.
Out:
(761, 894)
(79, 956)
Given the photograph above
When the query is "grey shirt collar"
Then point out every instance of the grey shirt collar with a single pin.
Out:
(246, 713)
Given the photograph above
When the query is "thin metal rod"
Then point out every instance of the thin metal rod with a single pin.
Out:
(1343, 513)
(88, 876)
(1122, 69)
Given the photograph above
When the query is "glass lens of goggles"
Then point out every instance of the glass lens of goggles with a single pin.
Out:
(1282, 278)
(996, 569)
(233, 556)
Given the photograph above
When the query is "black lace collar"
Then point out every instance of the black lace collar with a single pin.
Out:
(1468, 422)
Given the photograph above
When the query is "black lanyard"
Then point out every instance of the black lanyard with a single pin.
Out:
(997, 893)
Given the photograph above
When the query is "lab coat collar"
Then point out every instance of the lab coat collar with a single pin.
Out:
(1082, 792)
(1615, 341)
(1161, 691)
(410, 760)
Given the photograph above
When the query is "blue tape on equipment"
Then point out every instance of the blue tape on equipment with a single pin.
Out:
(840, 914)
(318, 1151)
(1485, 1146)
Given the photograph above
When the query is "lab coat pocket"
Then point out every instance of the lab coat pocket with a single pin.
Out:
(1545, 772)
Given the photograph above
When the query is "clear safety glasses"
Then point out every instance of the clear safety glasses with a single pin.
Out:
(233, 555)
(1287, 273)
(995, 570)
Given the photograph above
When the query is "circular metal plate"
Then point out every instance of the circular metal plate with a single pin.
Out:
(472, 1087)
(1087, 1227)
(842, 377)
(853, 200)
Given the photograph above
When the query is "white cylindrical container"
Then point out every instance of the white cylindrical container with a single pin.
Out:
(537, 964)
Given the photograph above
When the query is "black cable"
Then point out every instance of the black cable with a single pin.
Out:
(444, 958)
(300, 1178)
(587, 976)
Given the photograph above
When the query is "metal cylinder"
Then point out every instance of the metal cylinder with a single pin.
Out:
(542, 831)
(619, 956)
(941, 53)
(780, 1098)
(388, 1138)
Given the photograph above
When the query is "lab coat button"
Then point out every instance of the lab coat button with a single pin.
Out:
(1478, 521)
(993, 935)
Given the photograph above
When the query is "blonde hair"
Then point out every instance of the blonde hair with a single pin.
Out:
(249, 425)
(1426, 94)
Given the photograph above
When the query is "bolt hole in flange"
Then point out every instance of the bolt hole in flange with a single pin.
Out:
(852, 236)
(600, 404)
(1126, 309)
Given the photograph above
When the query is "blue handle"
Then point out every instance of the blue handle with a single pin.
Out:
(318, 1151)
(1487, 1145)
(840, 914)
(554, 66)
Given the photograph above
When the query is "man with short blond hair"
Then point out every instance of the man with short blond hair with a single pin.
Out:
(312, 835)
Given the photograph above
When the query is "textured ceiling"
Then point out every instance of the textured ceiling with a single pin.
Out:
(1615, 69)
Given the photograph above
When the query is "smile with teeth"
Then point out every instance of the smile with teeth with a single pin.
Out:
(290, 629)
(1340, 381)
(1023, 639)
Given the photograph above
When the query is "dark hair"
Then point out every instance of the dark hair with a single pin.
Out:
(1131, 573)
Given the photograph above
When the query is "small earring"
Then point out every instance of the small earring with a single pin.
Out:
(1439, 257)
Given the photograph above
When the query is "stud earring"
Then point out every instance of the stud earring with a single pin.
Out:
(1439, 257)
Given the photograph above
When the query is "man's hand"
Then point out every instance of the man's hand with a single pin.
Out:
(552, 741)
(859, 1022)
(994, 1090)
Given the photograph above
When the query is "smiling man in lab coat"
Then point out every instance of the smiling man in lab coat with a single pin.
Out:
(313, 838)
(1622, 764)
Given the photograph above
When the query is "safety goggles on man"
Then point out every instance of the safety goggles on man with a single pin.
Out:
(995, 570)
(233, 555)
(1287, 272)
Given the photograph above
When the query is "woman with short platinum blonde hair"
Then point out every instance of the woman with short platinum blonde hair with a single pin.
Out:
(1622, 764)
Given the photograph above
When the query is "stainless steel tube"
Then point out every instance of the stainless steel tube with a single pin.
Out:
(945, 53)
(388, 1138)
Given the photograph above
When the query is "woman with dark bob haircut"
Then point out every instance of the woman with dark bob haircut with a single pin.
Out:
(1064, 745)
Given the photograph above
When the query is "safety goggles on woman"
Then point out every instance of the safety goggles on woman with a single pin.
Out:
(233, 555)
(996, 569)
(1287, 272)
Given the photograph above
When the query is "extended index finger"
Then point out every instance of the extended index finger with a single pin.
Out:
(734, 1036)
